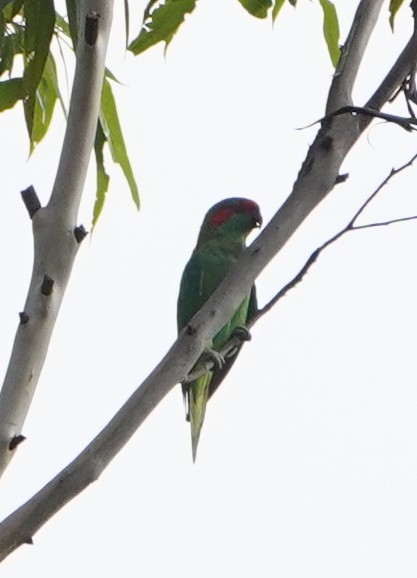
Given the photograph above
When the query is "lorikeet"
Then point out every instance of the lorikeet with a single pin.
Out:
(221, 239)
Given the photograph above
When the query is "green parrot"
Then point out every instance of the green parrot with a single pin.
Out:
(221, 239)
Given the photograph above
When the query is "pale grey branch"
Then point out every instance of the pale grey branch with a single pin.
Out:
(317, 176)
(350, 226)
(352, 52)
(55, 242)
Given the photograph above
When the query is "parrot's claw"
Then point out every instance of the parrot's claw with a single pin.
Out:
(242, 333)
(214, 356)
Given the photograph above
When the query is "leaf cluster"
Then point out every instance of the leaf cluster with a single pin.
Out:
(162, 19)
(32, 31)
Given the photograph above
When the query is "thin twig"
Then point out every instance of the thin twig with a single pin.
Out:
(407, 123)
(349, 227)
(234, 341)
(385, 223)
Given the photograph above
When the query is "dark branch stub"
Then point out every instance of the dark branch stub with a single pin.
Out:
(24, 317)
(189, 330)
(15, 441)
(28, 541)
(341, 178)
(80, 233)
(91, 28)
(327, 143)
(47, 285)
(31, 200)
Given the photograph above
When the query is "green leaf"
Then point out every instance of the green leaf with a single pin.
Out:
(46, 96)
(126, 22)
(4, 3)
(331, 30)
(40, 21)
(72, 20)
(394, 6)
(62, 25)
(11, 91)
(258, 8)
(277, 7)
(102, 176)
(161, 24)
(12, 45)
(11, 8)
(109, 74)
(1, 30)
(111, 127)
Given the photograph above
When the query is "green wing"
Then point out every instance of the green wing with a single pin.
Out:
(190, 297)
(202, 275)
(220, 374)
(195, 288)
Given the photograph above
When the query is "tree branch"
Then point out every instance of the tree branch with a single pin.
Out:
(351, 226)
(403, 67)
(53, 230)
(340, 93)
(385, 223)
(408, 123)
(316, 179)
(234, 341)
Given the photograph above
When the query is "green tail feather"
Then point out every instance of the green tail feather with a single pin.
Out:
(197, 401)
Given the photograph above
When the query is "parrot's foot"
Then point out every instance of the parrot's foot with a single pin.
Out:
(214, 356)
(242, 333)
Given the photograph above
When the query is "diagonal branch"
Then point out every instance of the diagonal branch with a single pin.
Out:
(351, 54)
(56, 243)
(408, 123)
(234, 342)
(385, 223)
(317, 177)
(351, 226)
(403, 67)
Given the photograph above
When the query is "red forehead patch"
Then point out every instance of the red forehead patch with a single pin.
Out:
(223, 214)
(249, 206)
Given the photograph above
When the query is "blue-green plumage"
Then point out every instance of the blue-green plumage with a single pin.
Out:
(221, 239)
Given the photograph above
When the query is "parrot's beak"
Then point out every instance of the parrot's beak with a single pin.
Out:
(257, 219)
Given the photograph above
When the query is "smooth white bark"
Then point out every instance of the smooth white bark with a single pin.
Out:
(55, 245)
(340, 93)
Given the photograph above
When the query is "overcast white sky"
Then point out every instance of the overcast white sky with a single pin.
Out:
(307, 461)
